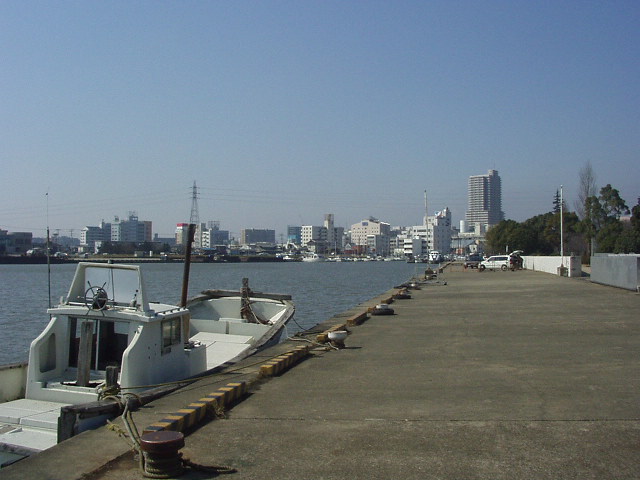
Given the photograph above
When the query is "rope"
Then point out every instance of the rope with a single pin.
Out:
(156, 466)
(153, 466)
(106, 392)
(219, 469)
(247, 312)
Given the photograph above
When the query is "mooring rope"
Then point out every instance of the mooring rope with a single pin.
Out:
(151, 465)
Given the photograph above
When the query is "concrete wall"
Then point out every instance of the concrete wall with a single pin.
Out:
(551, 264)
(616, 270)
(13, 379)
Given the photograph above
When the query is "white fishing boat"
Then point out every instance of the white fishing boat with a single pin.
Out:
(107, 333)
(313, 257)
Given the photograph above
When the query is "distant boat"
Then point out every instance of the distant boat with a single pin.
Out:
(106, 333)
(435, 257)
(313, 257)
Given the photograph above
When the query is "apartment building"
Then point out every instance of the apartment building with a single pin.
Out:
(485, 200)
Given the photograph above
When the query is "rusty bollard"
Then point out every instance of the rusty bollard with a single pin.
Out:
(161, 458)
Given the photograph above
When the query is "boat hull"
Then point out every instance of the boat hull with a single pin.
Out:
(106, 334)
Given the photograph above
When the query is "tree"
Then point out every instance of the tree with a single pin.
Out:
(608, 235)
(586, 188)
(498, 237)
(594, 216)
(612, 204)
(629, 240)
(602, 220)
(556, 202)
(539, 235)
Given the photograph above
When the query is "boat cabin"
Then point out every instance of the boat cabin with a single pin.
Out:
(106, 321)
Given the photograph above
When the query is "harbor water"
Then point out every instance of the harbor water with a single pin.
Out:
(319, 290)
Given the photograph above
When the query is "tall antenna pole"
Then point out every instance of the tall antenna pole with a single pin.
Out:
(426, 209)
(48, 253)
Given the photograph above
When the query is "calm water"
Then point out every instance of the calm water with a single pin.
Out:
(319, 290)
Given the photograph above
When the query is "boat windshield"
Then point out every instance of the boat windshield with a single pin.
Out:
(123, 285)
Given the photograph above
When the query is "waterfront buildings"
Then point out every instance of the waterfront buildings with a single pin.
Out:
(321, 239)
(372, 226)
(89, 235)
(255, 235)
(170, 241)
(312, 233)
(131, 230)
(212, 235)
(485, 201)
(433, 235)
(182, 233)
(205, 236)
(414, 246)
(294, 234)
(439, 231)
(372, 235)
(15, 242)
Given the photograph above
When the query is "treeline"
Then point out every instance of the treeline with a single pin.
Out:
(599, 229)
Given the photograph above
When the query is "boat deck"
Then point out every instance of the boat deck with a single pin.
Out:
(222, 346)
(28, 425)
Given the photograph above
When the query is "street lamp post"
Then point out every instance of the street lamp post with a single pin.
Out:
(561, 230)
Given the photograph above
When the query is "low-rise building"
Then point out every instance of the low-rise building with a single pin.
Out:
(15, 242)
(89, 235)
(131, 230)
(326, 238)
(378, 245)
(212, 236)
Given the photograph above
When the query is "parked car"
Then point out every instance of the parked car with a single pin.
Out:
(495, 262)
(472, 261)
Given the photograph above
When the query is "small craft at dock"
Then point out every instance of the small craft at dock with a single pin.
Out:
(403, 294)
(313, 257)
(382, 309)
(106, 334)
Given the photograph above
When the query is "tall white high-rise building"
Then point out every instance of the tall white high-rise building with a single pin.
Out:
(485, 200)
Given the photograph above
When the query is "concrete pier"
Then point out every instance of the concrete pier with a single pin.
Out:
(495, 375)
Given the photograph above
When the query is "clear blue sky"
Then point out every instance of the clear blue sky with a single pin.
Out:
(283, 111)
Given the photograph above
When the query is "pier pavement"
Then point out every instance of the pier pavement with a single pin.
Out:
(495, 375)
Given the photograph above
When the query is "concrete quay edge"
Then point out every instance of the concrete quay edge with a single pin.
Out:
(95, 450)
(496, 375)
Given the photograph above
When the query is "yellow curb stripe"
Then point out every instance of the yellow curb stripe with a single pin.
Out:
(186, 418)
(283, 362)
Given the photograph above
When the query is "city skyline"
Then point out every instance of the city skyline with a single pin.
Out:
(283, 111)
(470, 201)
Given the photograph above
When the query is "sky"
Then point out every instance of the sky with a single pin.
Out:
(283, 111)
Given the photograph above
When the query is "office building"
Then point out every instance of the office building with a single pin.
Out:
(371, 226)
(255, 235)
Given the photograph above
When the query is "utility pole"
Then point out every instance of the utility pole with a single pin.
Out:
(194, 218)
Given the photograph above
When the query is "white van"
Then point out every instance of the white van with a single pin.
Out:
(495, 262)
